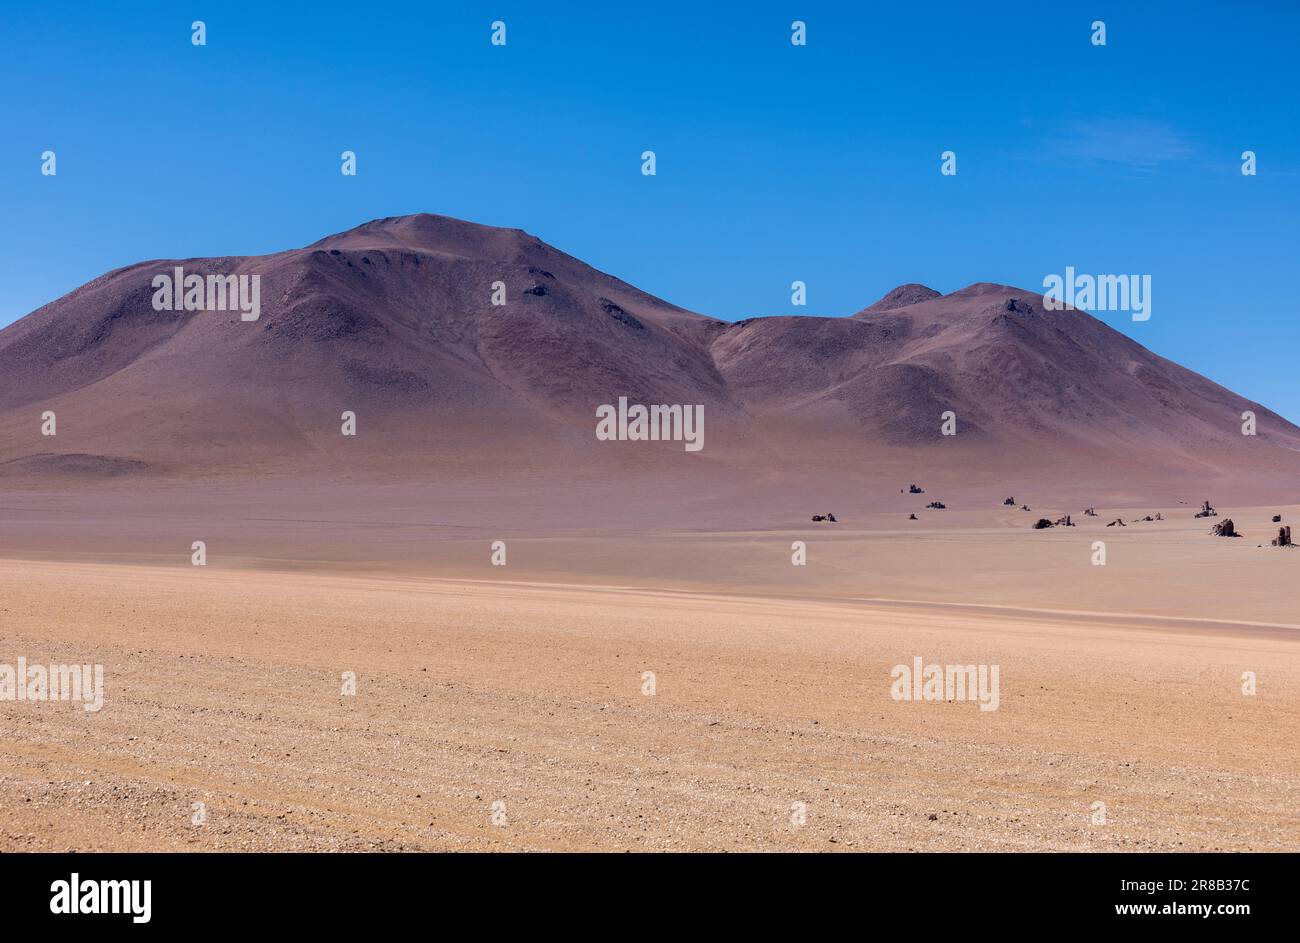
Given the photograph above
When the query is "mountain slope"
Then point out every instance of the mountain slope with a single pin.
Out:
(395, 321)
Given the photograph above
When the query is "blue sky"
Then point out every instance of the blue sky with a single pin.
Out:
(775, 163)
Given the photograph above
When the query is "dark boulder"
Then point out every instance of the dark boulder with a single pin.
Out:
(1224, 529)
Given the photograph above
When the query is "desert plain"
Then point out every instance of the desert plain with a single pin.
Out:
(507, 707)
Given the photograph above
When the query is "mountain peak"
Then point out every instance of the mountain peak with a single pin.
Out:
(397, 320)
(903, 296)
(976, 289)
(430, 232)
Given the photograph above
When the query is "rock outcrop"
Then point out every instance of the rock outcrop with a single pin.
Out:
(1224, 529)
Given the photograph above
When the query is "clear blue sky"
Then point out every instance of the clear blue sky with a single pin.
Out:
(775, 163)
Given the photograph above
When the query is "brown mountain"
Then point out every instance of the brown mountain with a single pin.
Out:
(394, 320)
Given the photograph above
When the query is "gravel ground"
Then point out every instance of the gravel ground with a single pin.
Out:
(497, 716)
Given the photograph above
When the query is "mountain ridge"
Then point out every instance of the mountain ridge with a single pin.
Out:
(394, 319)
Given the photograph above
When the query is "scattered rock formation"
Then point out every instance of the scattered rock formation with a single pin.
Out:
(1277, 518)
(913, 489)
(1224, 529)
(911, 517)
(1024, 507)
(1118, 522)
(1041, 523)
(828, 517)
(1283, 538)
(1206, 511)
(1090, 511)
(937, 505)
(1064, 522)
(1010, 502)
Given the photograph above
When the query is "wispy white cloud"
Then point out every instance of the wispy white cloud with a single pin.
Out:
(1130, 143)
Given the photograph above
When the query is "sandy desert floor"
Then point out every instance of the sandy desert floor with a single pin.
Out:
(523, 685)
